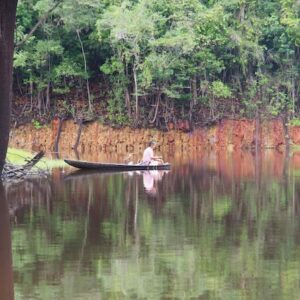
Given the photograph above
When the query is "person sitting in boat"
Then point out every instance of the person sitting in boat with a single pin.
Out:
(148, 156)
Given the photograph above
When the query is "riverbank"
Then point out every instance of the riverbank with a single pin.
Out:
(228, 134)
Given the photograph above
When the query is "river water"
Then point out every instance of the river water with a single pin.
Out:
(217, 226)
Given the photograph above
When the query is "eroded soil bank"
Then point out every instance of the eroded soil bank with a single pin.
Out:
(228, 134)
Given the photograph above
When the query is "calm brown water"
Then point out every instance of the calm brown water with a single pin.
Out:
(215, 227)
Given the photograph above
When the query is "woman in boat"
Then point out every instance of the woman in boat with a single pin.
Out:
(148, 156)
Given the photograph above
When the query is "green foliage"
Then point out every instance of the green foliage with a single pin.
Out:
(291, 18)
(279, 102)
(36, 124)
(294, 122)
(20, 157)
(112, 67)
(219, 89)
(247, 51)
(116, 108)
(69, 108)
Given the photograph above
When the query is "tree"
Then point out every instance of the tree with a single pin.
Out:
(79, 16)
(7, 25)
(161, 60)
(129, 29)
(291, 18)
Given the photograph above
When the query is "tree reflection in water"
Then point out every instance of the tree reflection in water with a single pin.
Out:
(6, 270)
(212, 230)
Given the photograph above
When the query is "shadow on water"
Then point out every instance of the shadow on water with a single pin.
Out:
(211, 228)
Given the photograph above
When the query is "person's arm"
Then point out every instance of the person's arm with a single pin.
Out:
(157, 158)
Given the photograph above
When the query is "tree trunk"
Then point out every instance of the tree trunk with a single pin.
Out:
(293, 96)
(194, 90)
(7, 25)
(193, 101)
(127, 102)
(59, 130)
(158, 96)
(80, 125)
(85, 70)
(48, 97)
(40, 102)
(127, 93)
(242, 12)
(287, 140)
(136, 95)
(31, 94)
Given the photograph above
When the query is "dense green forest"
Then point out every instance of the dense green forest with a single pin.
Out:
(153, 63)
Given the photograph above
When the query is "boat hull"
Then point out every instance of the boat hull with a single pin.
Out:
(80, 164)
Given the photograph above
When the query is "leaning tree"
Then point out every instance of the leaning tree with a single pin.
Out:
(7, 25)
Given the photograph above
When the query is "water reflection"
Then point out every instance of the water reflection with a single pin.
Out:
(6, 269)
(150, 179)
(210, 228)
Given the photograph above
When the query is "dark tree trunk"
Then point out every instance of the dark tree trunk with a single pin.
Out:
(6, 270)
(7, 25)
(59, 130)
(48, 97)
(80, 125)
(127, 102)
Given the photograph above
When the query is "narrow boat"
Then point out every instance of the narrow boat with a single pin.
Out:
(81, 164)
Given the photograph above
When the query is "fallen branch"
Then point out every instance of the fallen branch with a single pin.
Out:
(33, 161)
(13, 171)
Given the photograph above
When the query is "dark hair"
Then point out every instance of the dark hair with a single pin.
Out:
(151, 143)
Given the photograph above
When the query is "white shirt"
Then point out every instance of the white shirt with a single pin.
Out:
(147, 155)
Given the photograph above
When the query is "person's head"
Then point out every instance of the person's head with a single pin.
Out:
(152, 144)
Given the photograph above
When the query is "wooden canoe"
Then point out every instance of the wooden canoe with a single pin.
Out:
(81, 164)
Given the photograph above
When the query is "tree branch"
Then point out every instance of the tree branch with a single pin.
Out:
(36, 26)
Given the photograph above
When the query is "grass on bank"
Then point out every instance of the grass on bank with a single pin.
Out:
(20, 157)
